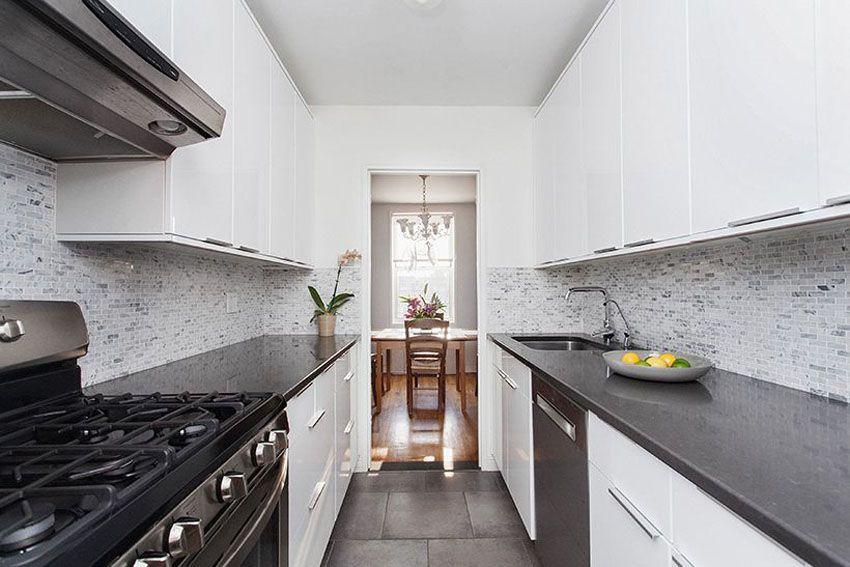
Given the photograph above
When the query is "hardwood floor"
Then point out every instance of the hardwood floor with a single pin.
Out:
(427, 436)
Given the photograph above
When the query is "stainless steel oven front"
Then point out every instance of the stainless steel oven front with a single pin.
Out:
(236, 517)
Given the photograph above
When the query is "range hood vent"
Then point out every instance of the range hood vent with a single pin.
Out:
(79, 83)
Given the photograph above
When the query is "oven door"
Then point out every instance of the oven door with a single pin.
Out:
(255, 533)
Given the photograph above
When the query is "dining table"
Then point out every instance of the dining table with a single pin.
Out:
(385, 340)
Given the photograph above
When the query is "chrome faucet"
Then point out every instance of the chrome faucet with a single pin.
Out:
(607, 333)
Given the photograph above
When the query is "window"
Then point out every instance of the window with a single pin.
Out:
(412, 268)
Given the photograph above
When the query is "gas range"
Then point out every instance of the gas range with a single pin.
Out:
(136, 479)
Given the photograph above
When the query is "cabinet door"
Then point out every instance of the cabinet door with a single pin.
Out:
(201, 175)
(833, 70)
(497, 426)
(617, 538)
(251, 121)
(521, 457)
(544, 198)
(753, 134)
(600, 95)
(344, 431)
(282, 173)
(151, 18)
(304, 193)
(656, 182)
(570, 193)
(506, 432)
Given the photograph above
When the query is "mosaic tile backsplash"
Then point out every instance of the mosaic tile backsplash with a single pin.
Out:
(143, 306)
(776, 307)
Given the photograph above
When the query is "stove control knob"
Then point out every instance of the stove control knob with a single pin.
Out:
(232, 486)
(278, 437)
(153, 559)
(264, 453)
(185, 537)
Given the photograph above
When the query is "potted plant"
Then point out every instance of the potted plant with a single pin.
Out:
(325, 313)
(420, 307)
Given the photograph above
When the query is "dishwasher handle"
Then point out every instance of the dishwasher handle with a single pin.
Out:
(557, 417)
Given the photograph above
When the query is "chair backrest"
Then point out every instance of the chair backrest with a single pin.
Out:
(430, 345)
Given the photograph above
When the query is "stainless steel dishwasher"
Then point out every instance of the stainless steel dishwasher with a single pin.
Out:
(560, 479)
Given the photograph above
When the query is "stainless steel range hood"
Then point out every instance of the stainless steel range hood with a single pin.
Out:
(79, 83)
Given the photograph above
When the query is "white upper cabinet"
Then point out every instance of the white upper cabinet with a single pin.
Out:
(752, 93)
(833, 88)
(600, 95)
(568, 186)
(282, 173)
(202, 174)
(151, 17)
(252, 112)
(656, 183)
(544, 197)
(304, 193)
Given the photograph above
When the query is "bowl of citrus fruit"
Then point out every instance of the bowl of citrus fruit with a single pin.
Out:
(657, 366)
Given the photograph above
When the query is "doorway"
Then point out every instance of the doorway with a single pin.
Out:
(409, 429)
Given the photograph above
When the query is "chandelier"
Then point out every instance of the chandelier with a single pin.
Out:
(424, 227)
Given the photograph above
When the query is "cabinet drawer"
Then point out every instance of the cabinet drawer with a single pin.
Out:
(643, 479)
(309, 538)
(496, 355)
(518, 373)
(700, 523)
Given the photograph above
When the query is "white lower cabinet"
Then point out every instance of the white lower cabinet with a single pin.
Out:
(321, 459)
(517, 454)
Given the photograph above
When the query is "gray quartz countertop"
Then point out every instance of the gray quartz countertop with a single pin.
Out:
(778, 457)
(282, 364)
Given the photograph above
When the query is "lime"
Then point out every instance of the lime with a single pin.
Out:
(641, 363)
(681, 363)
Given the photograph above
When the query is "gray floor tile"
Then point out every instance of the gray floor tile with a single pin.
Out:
(479, 553)
(361, 516)
(386, 553)
(427, 515)
(493, 514)
(427, 481)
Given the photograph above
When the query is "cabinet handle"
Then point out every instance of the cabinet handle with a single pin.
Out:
(636, 514)
(679, 559)
(510, 382)
(317, 492)
(348, 376)
(639, 243)
(560, 420)
(838, 200)
(249, 249)
(502, 374)
(218, 242)
(315, 419)
(604, 250)
(348, 427)
(764, 217)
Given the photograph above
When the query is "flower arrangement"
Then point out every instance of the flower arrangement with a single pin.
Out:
(326, 312)
(419, 307)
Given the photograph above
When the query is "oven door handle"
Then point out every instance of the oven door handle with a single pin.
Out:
(250, 534)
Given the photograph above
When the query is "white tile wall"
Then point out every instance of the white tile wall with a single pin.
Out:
(776, 307)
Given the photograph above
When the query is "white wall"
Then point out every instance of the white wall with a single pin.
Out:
(494, 140)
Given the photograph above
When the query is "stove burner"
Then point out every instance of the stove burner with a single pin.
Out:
(33, 523)
(96, 436)
(188, 434)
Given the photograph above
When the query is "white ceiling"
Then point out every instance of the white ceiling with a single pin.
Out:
(458, 53)
(407, 188)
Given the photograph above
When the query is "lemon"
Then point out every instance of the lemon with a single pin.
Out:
(681, 363)
(668, 359)
(630, 358)
(656, 362)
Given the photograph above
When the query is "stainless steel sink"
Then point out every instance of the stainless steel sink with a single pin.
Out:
(559, 343)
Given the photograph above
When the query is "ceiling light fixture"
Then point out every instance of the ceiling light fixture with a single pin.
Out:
(424, 227)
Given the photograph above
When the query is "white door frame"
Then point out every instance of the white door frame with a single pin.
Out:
(364, 400)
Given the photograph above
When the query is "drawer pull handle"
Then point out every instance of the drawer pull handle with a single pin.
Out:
(636, 514)
(348, 427)
(765, 217)
(218, 242)
(680, 560)
(507, 379)
(348, 376)
(838, 200)
(249, 249)
(639, 243)
(560, 420)
(604, 250)
(317, 417)
(317, 492)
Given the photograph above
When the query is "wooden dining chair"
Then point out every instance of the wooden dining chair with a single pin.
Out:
(426, 342)
(376, 387)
